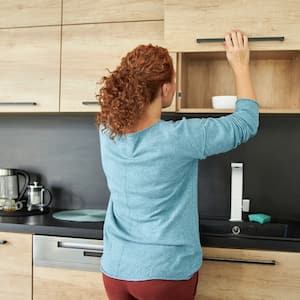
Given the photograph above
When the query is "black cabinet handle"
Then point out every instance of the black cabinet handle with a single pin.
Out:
(89, 102)
(241, 261)
(250, 39)
(2, 242)
(17, 103)
(92, 254)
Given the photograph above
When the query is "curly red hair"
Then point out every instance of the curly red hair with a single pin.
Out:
(133, 85)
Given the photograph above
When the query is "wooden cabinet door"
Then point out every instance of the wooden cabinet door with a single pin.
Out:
(91, 11)
(15, 266)
(185, 21)
(88, 51)
(17, 13)
(67, 284)
(249, 274)
(30, 67)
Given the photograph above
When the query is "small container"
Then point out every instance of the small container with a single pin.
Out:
(35, 193)
(222, 102)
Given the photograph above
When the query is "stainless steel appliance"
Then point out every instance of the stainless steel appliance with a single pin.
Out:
(9, 186)
(67, 253)
(35, 197)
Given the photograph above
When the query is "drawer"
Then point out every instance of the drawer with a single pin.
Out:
(67, 253)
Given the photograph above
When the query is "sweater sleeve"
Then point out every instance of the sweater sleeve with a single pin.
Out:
(204, 137)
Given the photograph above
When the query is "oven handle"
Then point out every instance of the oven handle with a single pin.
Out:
(82, 246)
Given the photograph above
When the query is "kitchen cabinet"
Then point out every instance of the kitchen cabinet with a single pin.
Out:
(90, 11)
(19, 13)
(90, 50)
(249, 274)
(203, 70)
(15, 266)
(186, 21)
(67, 268)
(66, 284)
(30, 69)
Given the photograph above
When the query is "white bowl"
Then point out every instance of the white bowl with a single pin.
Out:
(223, 101)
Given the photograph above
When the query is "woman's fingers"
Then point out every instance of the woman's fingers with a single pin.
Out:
(240, 39)
(245, 38)
(228, 41)
(234, 39)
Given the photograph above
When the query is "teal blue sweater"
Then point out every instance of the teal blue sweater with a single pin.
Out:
(151, 229)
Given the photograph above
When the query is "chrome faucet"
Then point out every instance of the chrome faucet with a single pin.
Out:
(236, 191)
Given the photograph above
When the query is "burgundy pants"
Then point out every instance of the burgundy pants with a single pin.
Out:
(151, 289)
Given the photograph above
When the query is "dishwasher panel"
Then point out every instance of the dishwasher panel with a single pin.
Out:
(67, 253)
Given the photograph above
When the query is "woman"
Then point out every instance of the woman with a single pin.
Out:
(151, 234)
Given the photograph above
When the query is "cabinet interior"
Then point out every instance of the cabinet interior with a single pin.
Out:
(275, 74)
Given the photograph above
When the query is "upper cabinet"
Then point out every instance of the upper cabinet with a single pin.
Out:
(30, 67)
(196, 29)
(19, 13)
(90, 51)
(91, 11)
(187, 21)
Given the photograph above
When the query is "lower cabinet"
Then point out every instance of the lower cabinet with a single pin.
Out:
(249, 274)
(67, 268)
(15, 266)
(65, 284)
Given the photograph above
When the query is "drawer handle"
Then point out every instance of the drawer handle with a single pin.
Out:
(92, 254)
(2, 242)
(71, 245)
(250, 39)
(89, 102)
(241, 261)
(17, 103)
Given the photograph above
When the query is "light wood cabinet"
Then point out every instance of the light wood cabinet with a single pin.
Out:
(30, 69)
(88, 51)
(249, 274)
(19, 13)
(203, 70)
(15, 266)
(185, 21)
(66, 284)
(90, 11)
(275, 74)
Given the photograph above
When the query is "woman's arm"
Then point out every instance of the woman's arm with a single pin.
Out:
(237, 53)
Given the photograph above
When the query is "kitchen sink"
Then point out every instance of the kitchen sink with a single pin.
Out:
(250, 229)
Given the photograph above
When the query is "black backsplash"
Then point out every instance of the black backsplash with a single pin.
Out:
(62, 152)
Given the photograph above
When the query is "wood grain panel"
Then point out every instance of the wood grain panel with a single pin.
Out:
(275, 77)
(88, 51)
(91, 11)
(226, 280)
(30, 67)
(64, 284)
(16, 13)
(185, 21)
(16, 266)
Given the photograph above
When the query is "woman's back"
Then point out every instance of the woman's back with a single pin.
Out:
(151, 229)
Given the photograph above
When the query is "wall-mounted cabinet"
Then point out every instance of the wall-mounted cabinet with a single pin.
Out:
(91, 11)
(203, 70)
(30, 67)
(88, 51)
(19, 13)
(186, 21)
(275, 74)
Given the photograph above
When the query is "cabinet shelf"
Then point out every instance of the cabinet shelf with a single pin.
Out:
(275, 74)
